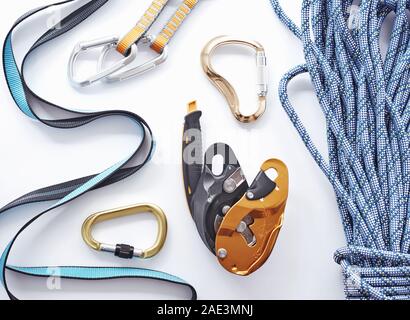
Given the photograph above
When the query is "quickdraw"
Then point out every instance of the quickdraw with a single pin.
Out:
(128, 45)
(225, 87)
(32, 105)
(237, 222)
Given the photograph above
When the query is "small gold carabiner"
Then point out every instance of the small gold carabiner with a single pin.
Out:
(122, 250)
(225, 87)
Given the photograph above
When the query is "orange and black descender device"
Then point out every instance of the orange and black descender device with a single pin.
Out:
(237, 222)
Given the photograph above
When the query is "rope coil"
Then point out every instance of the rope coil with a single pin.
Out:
(365, 99)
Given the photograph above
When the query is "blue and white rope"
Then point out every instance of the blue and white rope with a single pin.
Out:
(365, 99)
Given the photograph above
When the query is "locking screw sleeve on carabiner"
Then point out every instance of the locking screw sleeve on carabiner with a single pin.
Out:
(262, 73)
(124, 251)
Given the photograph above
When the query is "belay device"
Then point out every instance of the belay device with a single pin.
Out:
(237, 222)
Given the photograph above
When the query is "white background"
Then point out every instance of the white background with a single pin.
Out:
(33, 156)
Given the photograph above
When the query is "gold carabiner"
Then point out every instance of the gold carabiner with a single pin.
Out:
(251, 227)
(225, 87)
(121, 250)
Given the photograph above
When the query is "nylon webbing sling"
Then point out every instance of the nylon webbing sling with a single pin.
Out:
(166, 34)
(30, 104)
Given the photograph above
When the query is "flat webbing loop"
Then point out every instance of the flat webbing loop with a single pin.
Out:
(365, 99)
(30, 103)
(142, 26)
(168, 32)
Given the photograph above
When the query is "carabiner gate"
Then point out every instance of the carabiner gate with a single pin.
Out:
(102, 73)
(132, 71)
(225, 87)
(123, 250)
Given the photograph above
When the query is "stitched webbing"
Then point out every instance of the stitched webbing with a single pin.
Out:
(166, 34)
(147, 20)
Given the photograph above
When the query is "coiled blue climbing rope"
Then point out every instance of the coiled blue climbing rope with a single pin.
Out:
(32, 106)
(364, 96)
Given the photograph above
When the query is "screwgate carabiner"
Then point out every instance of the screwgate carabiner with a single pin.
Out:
(225, 87)
(123, 250)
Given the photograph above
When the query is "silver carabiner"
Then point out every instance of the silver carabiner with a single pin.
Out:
(132, 71)
(102, 73)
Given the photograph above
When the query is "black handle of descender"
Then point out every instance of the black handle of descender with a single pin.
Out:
(261, 187)
(192, 156)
